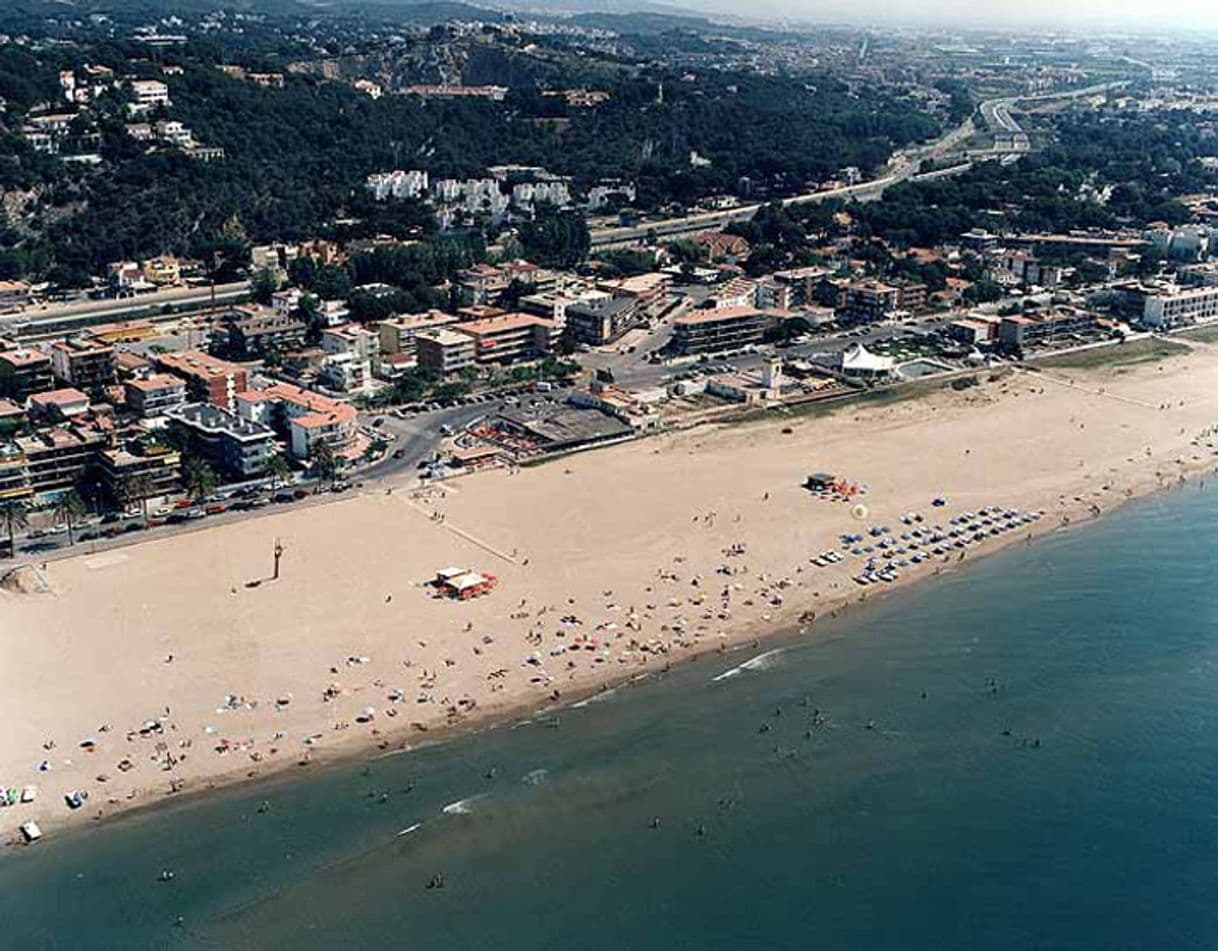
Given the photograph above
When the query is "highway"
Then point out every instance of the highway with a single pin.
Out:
(904, 166)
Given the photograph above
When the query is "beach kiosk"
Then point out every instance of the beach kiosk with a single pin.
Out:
(820, 481)
(463, 584)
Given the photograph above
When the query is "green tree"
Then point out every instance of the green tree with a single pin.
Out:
(198, 478)
(556, 239)
(136, 488)
(325, 462)
(69, 509)
(15, 515)
(278, 469)
(263, 286)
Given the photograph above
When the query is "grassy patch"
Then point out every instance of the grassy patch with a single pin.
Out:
(1120, 354)
(815, 409)
(1202, 334)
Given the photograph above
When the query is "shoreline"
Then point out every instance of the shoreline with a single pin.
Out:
(510, 716)
(788, 618)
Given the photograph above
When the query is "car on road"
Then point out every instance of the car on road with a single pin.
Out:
(216, 508)
(284, 497)
(300, 493)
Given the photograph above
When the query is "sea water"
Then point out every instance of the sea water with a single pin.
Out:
(1022, 754)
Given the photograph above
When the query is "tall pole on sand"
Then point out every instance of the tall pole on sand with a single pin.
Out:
(278, 555)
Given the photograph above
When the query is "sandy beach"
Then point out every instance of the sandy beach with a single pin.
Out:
(157, 668)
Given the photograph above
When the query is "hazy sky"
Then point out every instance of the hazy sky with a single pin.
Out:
(1112, 15)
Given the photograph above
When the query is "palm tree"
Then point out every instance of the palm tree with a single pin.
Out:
(278, 469)
(15, 515)
(69, 507)
(198, 478)
(325, 462)
(136, 488)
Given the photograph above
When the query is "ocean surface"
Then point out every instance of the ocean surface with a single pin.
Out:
(1023, 754)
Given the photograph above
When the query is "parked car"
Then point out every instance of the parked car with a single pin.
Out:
(284, 497)
(300, 493)
(216, 508)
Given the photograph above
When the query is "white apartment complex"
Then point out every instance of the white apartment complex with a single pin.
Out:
(1173, 306)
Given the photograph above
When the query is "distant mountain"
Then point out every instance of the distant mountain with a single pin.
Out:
(415, 11)
(640, 22)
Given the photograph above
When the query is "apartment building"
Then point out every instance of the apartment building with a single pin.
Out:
(867, 302)
(148, 94)
(23, 372)
(552, 304)
(397, 334)
(508, 338)
(1025, 330)
(649, 291)
(254, 331)
(481, 283)
(352, 352)
(304, 417)
(445, 351)
(239, 448)
(721, 328)
(83, 363)
(1173, 306)
(157, 466)
(57, 459)
(774, 295)
(602, 320)
(153, 395)
(58, 405)
(208, 379)
(803, 283)
(14, 475)
(911, 296)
